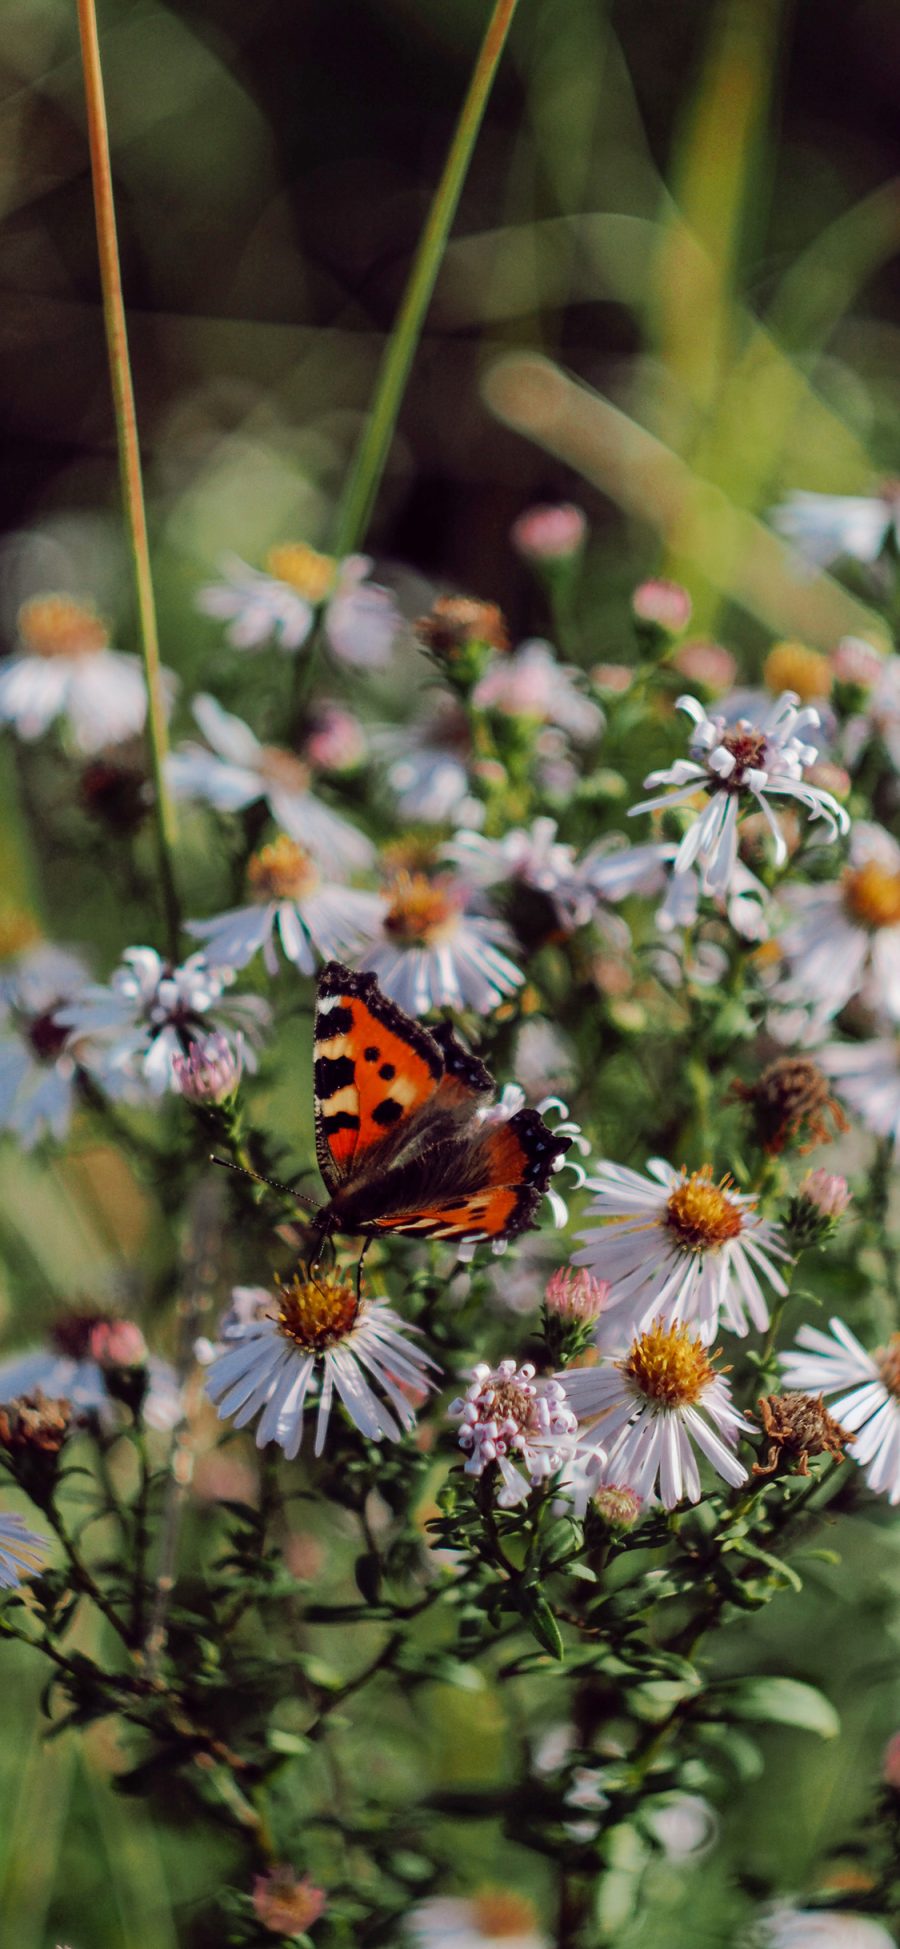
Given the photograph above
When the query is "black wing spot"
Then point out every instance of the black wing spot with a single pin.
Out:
(332, 1073)
(387, 1071)
(372, 1054)
(337, 1021)
(342, 1120)
(387, 1112)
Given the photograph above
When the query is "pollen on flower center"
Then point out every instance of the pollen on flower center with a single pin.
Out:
(872, 895)
(317, 1313)
(669, 1364)
(420, 910)
(747, 748)
(500, 1912)
(303, 568)
(511, 1403)
(283, 769)
(701, 1214)
(281, 871)
(887, 1360)
(58, 626)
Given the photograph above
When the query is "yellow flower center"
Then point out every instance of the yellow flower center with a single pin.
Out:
(303, 568)
(670, 1365)
(283, 769)
(317, 1313)
(872, 895)
(701, 1214)
(420, 910)
(499, 1912)
(887, 1360)
(281, 871)
(792, 666)
(18, 930)
(59, 626)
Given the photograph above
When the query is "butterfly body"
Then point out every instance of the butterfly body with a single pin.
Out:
(407, 1137)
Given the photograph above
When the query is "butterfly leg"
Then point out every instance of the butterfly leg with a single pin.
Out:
(366, 1243)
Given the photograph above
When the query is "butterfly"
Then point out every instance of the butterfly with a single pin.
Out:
(407, 1138)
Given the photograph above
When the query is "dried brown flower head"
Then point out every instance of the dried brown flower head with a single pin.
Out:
(285, 1903)
(35, 1424)
(792, 1099)
(454, 622)
(798, 1426)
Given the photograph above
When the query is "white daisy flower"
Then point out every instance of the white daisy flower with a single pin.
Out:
(619, 872)
(496, 1916)
(867, 1391)
(677, 1245)
(738, 766)
(433, 953)
(40, 1060)
(240, 771)
(280, 604)
(823, 527)
(63, 667)
(843, 938)
(428, 763)
(650, 1405)
(150, 1012)
(866, 1076)
(310, 918)
(820, 1928)
(508, 1418)
(314, 1338)
(536, 858)
(533, 684)
(22, 1552)
(83, 1351)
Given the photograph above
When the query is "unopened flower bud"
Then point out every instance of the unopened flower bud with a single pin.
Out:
(617, 677)
(548, 535)
(576, 1295)
(661, 606)
(708, 665)
(816, 1209)
(117, 1343)
(336, 740)
(210, 1072)
(827, 1191)
(857, 663)
(619, 1506)
(286, 1904)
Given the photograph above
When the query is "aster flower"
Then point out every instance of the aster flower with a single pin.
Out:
(150, 1012)
(211, 1072)
(867, 1387)
(40, 1060)
(650, 1406)
(532, 684)
(310, 1339)
(495, 1916)
(736, 766)
(434, 953)
(618, 872)
(823, 527)
(239, 771)
(866, 1075)
(509, 1418)
(536, 858)
(22, 1552)
(84, 1353)
(63, 667)
(279, 604)
(843, 938)
(820, 1928)
(428, 765)
(677, 1245)
(310, 917)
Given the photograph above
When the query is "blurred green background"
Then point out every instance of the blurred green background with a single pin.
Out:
(695, 210)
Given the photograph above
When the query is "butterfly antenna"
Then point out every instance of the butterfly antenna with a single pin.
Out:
(274, 1184)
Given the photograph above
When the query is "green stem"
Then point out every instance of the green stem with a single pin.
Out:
(371, 455)
(129, 455)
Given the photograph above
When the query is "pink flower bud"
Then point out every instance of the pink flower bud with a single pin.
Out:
(890, 1763)
(619, 1505)
(336, 741)
(211, 1071)
(284, 1904)
(117, 1343)
(708, 664)
(549, 534)
(616, 677)
(857, 662)
(576, 1295)
(826, 1192)
(666, 605)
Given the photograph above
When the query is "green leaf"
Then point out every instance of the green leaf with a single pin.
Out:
(544, 1626)
(780, 1702)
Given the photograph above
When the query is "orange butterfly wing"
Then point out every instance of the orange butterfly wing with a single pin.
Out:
(374, 1067)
